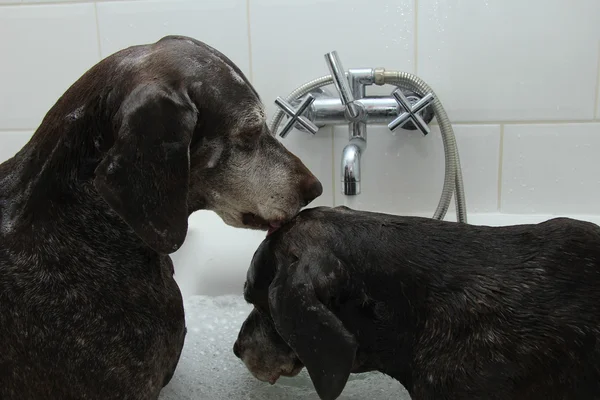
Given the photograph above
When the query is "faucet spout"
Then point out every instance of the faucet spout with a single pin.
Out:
(351, 166)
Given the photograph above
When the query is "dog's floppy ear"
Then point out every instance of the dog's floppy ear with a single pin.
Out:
(144, 177)
(309, 327)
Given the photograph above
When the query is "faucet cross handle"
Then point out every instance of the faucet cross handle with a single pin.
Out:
(341, 83)
(411, 112)
(296, 115)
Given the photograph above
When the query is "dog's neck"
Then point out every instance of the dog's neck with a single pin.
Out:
(385, 334)
(388, 352)
(53, 174)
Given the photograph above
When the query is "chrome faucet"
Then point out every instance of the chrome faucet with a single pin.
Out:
(411, 106)
(351, 166)
(355, 108)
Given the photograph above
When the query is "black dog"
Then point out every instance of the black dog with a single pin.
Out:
(91, 207)
(452, 311)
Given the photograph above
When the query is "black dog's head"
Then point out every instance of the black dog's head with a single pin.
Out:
(189, 133)
(295, 323)
(266, 355)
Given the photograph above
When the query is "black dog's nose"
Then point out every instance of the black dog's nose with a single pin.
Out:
(311, 190)
(236, 349)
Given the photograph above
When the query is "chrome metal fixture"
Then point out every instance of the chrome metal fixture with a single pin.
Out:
(411, 106)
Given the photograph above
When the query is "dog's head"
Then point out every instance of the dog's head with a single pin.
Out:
(295, 320)
(192, 135)
(244, 174)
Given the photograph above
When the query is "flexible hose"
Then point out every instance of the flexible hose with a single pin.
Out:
(453, 175)
(453, 182)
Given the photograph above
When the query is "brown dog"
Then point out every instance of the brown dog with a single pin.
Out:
(91, 207)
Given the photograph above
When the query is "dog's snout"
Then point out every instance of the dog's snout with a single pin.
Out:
(236, 349)
(312, 189)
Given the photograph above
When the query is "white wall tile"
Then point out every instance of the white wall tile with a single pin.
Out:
(11, 143)
(404, 173)
(290, 39)
(55, 1)
(44, 49)
(598, 86)
(60, 1)
(222, 24)
(551, 169)
(510, 59)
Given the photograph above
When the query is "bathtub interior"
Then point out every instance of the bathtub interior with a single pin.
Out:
(209, 370)
(211, 269)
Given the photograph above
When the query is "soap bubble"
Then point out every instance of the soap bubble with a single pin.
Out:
(208, 368)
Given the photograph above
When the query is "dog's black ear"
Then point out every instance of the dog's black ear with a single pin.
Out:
(144, 177)
(309, 327)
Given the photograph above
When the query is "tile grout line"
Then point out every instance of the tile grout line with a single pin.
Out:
(597, 99)
(97, 30)
(56, 2)
(16, 130)
(533, 122)
(250, 69)
(416, 39)
(500, 165)
(333, 191)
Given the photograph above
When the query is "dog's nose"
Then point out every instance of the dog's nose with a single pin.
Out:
(312, 189)
(236, 349)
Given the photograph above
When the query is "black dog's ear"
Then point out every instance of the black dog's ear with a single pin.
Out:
(144, 177)
(309, 327)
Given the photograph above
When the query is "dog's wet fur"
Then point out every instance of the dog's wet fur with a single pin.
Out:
(91, 207)
(452, 311)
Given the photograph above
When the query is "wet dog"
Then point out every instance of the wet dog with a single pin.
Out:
(452, 311)
(91, 207)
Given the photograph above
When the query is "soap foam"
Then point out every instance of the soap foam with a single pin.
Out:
(208, 368)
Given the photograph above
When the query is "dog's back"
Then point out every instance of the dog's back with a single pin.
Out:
(480, 312)
(71, 321)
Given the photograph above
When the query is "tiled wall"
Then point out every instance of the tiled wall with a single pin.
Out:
(519, 79)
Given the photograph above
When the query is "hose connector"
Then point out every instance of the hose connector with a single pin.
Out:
(379, 76)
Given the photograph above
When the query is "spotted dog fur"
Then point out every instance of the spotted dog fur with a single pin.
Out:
(452, 311)
(91, 207)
